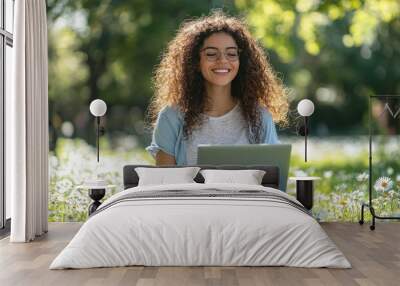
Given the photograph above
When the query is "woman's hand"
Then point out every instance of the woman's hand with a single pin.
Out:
(163, 158)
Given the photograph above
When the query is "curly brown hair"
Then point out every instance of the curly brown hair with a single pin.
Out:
(178, 80)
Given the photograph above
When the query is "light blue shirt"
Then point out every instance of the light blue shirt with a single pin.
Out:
(168, 134)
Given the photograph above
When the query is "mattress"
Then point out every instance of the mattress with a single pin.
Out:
(201, 225)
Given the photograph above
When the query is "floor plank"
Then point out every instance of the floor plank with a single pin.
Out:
(374, 255)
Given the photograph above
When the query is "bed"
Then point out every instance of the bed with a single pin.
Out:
(198, 224)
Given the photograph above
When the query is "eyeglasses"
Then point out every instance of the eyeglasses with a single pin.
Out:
(213, 54)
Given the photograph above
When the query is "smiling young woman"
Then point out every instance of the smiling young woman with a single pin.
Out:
(214, 85)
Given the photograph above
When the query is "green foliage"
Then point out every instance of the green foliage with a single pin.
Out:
(108, 50)
(334, 52)
(278, 23)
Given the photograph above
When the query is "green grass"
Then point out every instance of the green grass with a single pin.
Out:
(338, 195)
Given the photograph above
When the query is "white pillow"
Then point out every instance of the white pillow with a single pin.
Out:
(248, 177)
(163, 176)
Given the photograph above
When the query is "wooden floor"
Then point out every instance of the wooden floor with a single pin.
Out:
(374, 255)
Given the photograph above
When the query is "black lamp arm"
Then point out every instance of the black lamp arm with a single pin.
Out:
(305, 137)
(303, 130)
(98, 137)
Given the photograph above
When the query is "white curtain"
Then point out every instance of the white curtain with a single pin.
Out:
(27, 123)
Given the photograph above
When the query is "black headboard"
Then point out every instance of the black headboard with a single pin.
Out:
(270, 179)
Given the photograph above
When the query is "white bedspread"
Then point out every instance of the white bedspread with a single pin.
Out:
(200, 231)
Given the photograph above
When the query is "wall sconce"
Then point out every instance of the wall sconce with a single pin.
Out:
(98, 108)
(305, 108)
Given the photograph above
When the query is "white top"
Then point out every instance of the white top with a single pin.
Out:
(230, 128)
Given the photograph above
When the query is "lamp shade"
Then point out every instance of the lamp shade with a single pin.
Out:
(305, 107)
(98, 107)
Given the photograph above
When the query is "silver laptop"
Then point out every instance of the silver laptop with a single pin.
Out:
(248, 154)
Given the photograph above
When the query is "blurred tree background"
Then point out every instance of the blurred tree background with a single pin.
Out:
(336, 53)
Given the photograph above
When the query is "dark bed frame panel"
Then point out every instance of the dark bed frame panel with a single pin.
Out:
(270, 179)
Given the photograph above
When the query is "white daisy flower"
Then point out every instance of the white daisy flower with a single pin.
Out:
(383, 184)
(362, 177)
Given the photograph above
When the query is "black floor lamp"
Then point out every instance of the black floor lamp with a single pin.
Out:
(305, 109)
(97, 187)
(98, 108)
(305, 184)
(369, 205)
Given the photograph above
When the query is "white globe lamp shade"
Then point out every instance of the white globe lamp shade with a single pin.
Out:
(305, 107)
(98, 107)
